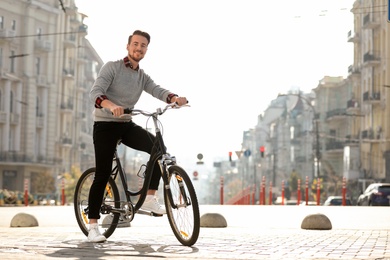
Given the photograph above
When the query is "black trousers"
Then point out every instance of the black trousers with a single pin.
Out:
(105, 138)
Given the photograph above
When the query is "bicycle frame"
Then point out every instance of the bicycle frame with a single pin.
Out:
(159, 154)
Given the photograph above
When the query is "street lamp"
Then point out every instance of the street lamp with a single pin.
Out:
(318, 152)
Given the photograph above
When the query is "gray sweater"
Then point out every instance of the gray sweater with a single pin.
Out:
(123, 86)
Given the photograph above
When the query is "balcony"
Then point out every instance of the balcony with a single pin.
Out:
(83, 29)
(3, 117)
(371, 59)
(70, 41)
(373, 98)
(12, 156)
(67, 142)
(371, 135)
(68, 74)
(353, 71)
(7, 35)
(3, 72)
(369, 21)
(43, 45)
(351, 140)
(334, 145)
(67, 107)
(336, 114)
(353, 37)
(14, 119)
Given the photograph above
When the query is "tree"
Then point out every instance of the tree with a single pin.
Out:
(293, 182)
(70, 180)
(43, 183)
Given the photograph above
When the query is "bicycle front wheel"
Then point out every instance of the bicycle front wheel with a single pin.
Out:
(183, 215)
(108, 221)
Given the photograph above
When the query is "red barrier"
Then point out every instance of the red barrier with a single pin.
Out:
(263, 188)
(253, 194)
(344, 191)
(299, 192)
(261, 195)
(307, 191)
(270, 193)
(26, 192)
(282, 192)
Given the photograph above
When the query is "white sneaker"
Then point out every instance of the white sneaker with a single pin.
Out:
(94, 234)
(151, 204)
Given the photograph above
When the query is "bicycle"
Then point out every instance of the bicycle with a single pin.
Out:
(179, 194)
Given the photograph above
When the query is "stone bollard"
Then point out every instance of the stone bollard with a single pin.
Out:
(24, 220)
(213, 220)
(316, 221)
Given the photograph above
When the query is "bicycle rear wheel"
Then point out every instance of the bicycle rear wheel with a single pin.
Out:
(183, 216)
(108, 221)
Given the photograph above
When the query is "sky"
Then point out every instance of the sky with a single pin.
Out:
(230, 58)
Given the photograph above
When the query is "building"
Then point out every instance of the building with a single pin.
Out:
(47, 67)
(370, 78)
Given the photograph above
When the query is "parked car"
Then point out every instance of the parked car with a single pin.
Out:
(337, 201)
(376, 194)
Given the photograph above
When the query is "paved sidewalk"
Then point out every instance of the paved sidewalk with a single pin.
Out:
(246, 237)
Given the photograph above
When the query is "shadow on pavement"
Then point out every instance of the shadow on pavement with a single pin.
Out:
(83, 249)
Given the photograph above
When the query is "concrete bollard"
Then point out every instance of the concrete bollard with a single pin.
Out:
(24, 220)
(316, 221)
(212, 220)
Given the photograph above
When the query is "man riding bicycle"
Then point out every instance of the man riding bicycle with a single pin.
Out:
(119, 85)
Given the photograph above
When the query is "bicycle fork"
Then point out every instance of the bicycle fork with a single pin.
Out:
(182, 201)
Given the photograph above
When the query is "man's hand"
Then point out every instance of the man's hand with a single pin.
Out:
(179, 100)
(115, 109)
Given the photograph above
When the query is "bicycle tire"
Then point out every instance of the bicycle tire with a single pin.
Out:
(184, 221)
(108, 224)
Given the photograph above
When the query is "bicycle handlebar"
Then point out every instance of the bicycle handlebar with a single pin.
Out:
(159, 111)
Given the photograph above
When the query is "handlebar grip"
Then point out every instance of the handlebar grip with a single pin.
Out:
(127, 111)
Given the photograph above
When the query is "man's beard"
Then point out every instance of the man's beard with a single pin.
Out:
(135, 59)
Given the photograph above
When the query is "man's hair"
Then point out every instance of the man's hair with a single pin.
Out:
(141, 33)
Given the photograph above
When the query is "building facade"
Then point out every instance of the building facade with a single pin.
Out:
(47, 67)
(370, 78)
(347, 125)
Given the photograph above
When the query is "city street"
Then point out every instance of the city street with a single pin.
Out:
(253, 232)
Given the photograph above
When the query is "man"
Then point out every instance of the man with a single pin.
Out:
(119, 85)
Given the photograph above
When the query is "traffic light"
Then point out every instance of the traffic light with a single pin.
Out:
(230, 156)
(262, 149)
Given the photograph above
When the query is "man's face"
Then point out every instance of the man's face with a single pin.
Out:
(137, 47)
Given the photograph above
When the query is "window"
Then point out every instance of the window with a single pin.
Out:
(9, 180)
(39, 33)
(13, 25)
(11, 102)
(37, 107)
(1, 22)
(38, 65)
